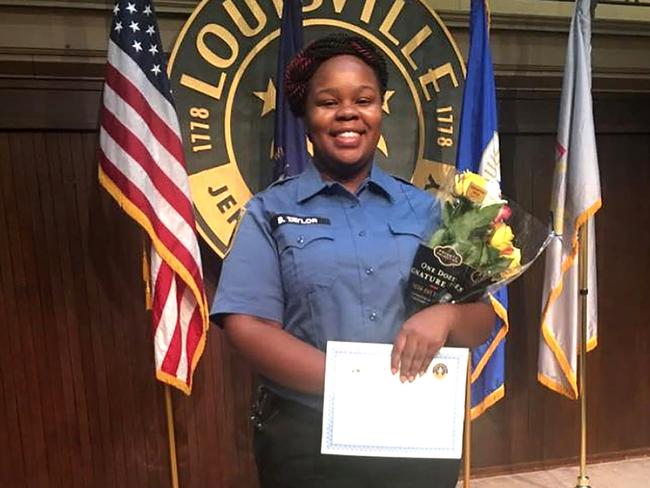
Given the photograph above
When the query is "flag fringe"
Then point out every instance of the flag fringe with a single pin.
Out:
(146, 277)
(172, 380)
(136, 214)
(547, 331)
(502, 313)
(488, 401)
(556, 386)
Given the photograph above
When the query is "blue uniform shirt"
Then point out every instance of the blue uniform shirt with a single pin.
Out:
(325, 263)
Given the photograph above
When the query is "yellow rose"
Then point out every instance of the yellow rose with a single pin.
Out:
(502, 237)
(471, 186)
(514, 254)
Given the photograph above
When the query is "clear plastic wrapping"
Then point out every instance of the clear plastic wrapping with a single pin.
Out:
(484, 241)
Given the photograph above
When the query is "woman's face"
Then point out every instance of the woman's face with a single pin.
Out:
(343, 115)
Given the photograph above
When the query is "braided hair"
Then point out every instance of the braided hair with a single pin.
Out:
(304, 64)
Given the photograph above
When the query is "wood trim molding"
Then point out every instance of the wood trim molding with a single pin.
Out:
(457, 18)
(162, 6)
(543, 23)
(528, 48)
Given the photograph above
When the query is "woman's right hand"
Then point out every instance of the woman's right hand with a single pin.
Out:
(419, 340)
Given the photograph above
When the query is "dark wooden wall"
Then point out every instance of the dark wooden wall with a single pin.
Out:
(532, 426)
(79, 405)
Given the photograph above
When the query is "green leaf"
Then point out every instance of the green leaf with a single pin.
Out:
(475, 220)
(438, 238)
(470, 251)
(447, 210)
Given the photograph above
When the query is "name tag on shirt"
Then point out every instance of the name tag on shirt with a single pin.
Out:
(283, 219)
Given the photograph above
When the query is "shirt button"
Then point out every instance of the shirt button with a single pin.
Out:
(300, 239)
(372, 316)
(370, 270)
(362, 233)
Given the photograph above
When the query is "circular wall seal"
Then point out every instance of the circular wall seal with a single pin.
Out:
(222, 72)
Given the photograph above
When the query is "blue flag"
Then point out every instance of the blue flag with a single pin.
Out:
(290, 149)
(478, 151)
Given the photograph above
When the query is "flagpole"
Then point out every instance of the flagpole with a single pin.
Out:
(173, 463)
(583, 273)
(467, 444)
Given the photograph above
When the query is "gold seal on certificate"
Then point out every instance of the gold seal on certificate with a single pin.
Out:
(367, 411)
(440, 370)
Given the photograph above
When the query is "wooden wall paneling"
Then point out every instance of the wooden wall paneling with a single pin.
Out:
(100, 318)
(104, 221)
(199, 423)
(619, 394)
(39, 462)
(13, 463)
(126, 323)
(88, 408)
(43, 313)
(136, 410)
(99, 265)
(209, 426)
(188, 431)
(216, 416)
(98, 453)
(119, 363)
(510, 422)
(624, 264)
(212, 412)
(69, 147)
(523, 429)
(538, 150)
(232, 398)
(5, 418)
(136, 402)
(51, 159)
(78, 396)
(532, 425)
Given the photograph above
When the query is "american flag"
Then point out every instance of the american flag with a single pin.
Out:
(141, 164)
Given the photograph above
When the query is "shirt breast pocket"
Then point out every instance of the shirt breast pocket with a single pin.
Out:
(307, 256)
(408, 236)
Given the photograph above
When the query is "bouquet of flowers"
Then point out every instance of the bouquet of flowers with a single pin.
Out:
(484, 241)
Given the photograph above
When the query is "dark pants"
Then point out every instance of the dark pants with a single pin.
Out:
(287, 450)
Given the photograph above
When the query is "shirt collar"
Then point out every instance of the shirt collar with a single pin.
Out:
(383, 182)
(311, 183)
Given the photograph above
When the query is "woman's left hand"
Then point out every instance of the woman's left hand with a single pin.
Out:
(420, 338)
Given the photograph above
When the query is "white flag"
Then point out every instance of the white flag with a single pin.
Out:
(575, 200)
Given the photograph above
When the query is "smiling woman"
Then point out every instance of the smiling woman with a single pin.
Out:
(326, 256)
(341, 98)
(344, 119)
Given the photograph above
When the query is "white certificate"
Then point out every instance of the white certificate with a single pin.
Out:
(367, 411)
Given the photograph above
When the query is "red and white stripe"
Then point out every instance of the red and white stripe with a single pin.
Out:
(142, 165)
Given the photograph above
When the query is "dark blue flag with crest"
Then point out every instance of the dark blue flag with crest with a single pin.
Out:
(478, 151)
(289, 146)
